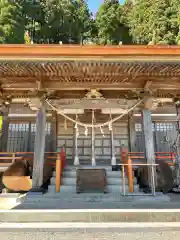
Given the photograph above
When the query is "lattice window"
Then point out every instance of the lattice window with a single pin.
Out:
(48, 139)
(21, 137)
(18, 137)
(165, 126)
(138, 127)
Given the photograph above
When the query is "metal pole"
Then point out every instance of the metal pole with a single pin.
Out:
(123, 182)
(153, 181)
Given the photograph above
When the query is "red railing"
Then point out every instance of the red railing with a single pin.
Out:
(169, 157)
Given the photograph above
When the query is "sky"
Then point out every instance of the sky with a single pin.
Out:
(94, 4)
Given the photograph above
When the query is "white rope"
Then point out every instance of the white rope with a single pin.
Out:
(95, 125)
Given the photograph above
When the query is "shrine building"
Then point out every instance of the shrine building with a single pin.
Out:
(87, 107)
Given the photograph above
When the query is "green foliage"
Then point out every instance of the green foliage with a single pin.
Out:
(83, 21)
(154, 21)
(111, 23)
(71, 22)
(65, 21)
(12, 23)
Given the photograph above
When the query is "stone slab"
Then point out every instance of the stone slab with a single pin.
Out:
(98, 216)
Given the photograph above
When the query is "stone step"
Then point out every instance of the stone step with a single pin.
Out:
(107, 167)
(72, 189)
(72, 181)
(56, 198)
(72, 173)
(75, 198)
(88, 162)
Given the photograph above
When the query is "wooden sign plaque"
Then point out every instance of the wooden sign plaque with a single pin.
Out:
(91, 179)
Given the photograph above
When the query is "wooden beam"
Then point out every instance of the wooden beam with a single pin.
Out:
(148, 141)
(38, 163)
(36, 51)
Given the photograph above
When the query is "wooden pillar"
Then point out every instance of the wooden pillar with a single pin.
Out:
(4, 130)
(38, 164)
(131, 133)
(148, 141)
(176, 152)
(54, 131)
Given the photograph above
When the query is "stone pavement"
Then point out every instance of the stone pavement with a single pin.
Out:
(91, 216)
(116, 234)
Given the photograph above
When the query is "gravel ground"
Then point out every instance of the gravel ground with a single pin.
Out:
(116, 234)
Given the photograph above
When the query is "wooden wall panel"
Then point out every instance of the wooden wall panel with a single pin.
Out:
(102, 144)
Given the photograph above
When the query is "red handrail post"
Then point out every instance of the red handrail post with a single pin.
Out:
(124, 156)
(63, 157)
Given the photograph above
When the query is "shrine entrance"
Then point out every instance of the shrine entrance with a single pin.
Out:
(89, 123)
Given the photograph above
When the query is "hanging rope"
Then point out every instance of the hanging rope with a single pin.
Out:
(110, 124)
(94, 125)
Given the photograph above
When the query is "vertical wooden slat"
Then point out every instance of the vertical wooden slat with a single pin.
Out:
(13, 157)
(29, 138)
(38, 163)
(131, 132)
(93, 160)
(54, 131)
(5, 129)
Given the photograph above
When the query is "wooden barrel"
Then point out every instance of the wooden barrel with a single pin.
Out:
(16, 177)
